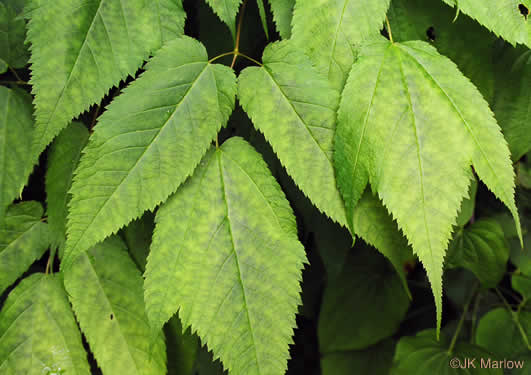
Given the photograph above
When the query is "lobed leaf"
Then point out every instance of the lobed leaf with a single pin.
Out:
(241, 294)
(23, 240)
(80, 49)
(38, 332)
(329, 30)
(408, 120)
(105, 289)
(506, 18)
(294, 107)
(63, 158)
(16, 127)
(148, 142)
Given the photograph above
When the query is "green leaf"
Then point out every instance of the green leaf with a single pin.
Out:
(23, 240)
(226, 10)
(375, 360)
(79, 50)
(16, 127)
(504, 333)
(263, 16)
(373, 223)
(63, 158)
(329, 30)
(462, 40)
(522, 284)
(148, 142)
(408, 120)
(482, 249)
(468, 205)
(137, 236)
(3, 66)
(170, 16)
(512, 102)
(294, 107)
(248, 286)
(38, 332)
(282, 16)
(363, 305)
(503, 17)
(105, 289)
(12, 35)
(424, 354)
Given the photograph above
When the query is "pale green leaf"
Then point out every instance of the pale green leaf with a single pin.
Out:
(23, 240)
(294, 107)
(412, 125)
(282, 15)
(329, 30)
(424, 354)
(148, 142)
(463, 40)
(506, 18)
(512, 102)
(482, 249)
(80, 49)
(363, 305)
(241, 294)
(226, 10)
(373, 223)
(3, 66)
(12, 35)
(63, 158)
(38, 332)
(16, 128)
(375, 360)
(105, 289)
(505, 333)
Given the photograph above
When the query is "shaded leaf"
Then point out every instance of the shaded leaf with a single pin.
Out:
(12, 35)
(408, 119)
(424, 354)
(504, 333)
(148, 142)
(481, 248)
(468, 205)
(328, 32)
(38, 332)
(363, 305)
(16, 127)
(294, 107)
(63, 158)
(105, 289)
(23, 240)
(3, 66)
(137, 236)
(231, 201)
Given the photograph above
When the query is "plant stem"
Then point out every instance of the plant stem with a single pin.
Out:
(22, 83)
(16, 75)
(238, 33)
(475, 318)
(389, 29)
(462, 320)
(514, 316)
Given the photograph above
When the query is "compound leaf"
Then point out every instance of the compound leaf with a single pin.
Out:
(481, 248)
(23, 240)
(148, 141)
(105, 288)
(80, 49)
(506, 18)
(63, 158)
(16, 129)
(220, 290)
(38, 332)
(282, 15)
(226, 10)
(295, 108)
(328, 32)
(408, 119)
